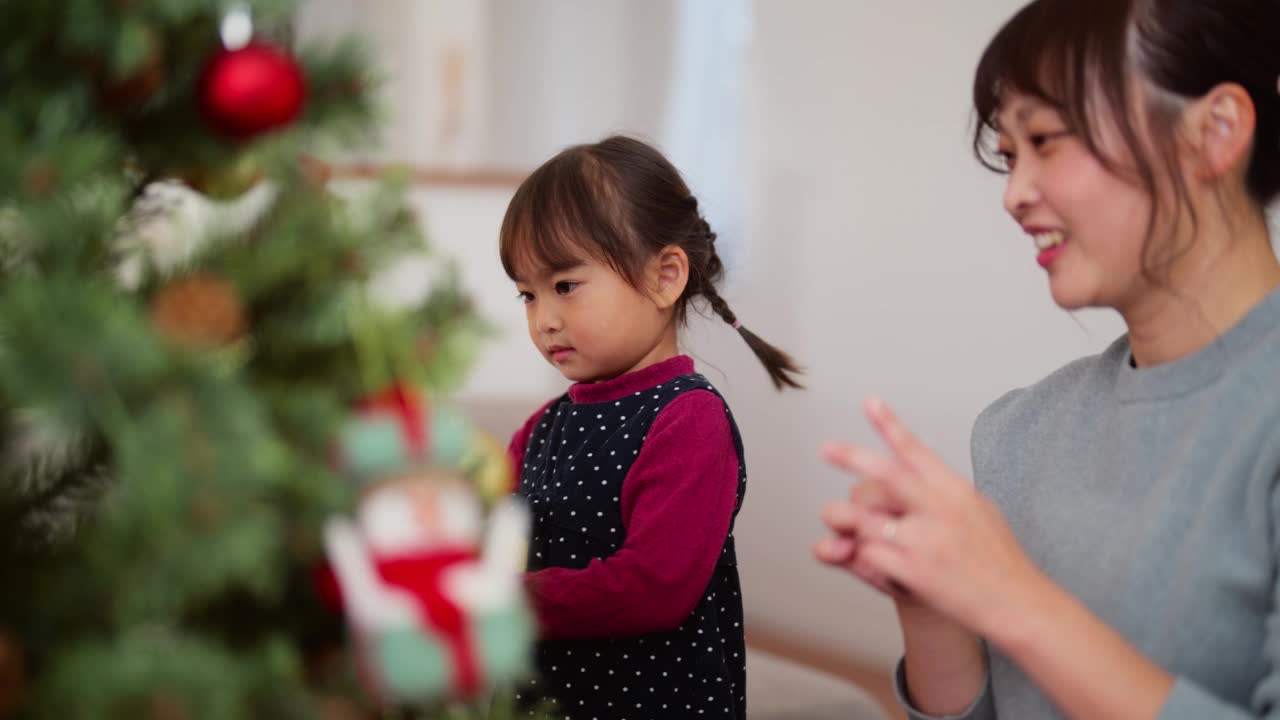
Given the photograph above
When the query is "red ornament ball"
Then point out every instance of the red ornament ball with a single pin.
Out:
(251, 90)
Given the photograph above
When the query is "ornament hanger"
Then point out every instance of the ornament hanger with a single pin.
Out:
(236, 28)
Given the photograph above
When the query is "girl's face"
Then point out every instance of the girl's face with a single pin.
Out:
(590, 323)
(1088, 226)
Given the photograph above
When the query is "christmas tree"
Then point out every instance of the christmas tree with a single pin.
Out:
(185, 324)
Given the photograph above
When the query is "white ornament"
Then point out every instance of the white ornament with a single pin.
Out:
(170, 223)
(405, 284)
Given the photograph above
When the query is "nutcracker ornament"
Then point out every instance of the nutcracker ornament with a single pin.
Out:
(428, 573)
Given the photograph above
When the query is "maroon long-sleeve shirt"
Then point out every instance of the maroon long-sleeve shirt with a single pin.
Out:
(678, 500)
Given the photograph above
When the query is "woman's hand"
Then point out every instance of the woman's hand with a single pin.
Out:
(922, 534)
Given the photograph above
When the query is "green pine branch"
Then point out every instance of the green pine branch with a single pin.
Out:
(161, 499)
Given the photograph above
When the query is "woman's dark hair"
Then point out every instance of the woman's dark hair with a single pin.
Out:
(621, 202)
(1092, 60)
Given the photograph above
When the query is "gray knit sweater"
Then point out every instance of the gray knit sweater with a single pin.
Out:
(1151, 495)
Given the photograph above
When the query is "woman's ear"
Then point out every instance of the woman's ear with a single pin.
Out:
(1222, 126)
(668, 276)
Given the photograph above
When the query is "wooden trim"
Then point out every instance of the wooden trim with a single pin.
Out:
(430, 176)
(877, 682)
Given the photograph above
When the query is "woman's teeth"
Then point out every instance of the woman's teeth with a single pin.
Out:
(1046, 240)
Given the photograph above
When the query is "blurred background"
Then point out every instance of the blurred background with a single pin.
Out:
(829, 141)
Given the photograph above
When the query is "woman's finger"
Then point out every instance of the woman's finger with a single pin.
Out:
(836, 550)
(859, 461)
(906, 447)
(889, 560)
(843, 518)
(874, 494)
(865, 525)
(900, 485)
(881, 583)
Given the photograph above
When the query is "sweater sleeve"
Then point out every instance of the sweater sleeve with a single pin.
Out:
(1189, 700)
(982, 708)
(678, 500)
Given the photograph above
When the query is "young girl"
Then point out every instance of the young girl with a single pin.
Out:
(1119, 557)
(636, 474)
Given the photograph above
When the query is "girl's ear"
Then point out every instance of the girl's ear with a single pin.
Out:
(668, 275)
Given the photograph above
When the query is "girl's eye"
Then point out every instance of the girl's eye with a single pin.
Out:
(1039, 140)
(525, 297)
(564, 287)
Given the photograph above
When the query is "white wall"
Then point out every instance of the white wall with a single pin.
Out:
(572, 71)
(433, 60)
(882, 259)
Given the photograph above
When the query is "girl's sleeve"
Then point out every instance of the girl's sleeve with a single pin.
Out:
(520, 442)
(678, 501)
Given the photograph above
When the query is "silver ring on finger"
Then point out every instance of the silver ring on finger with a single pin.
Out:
(889, 530)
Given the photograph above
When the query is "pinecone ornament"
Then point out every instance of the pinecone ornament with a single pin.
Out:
(40, 177)
(166, 706)
(13, 676)
(200, 310)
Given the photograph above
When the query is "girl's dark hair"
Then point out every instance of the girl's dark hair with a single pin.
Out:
(621, 202)
(1082, 57)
